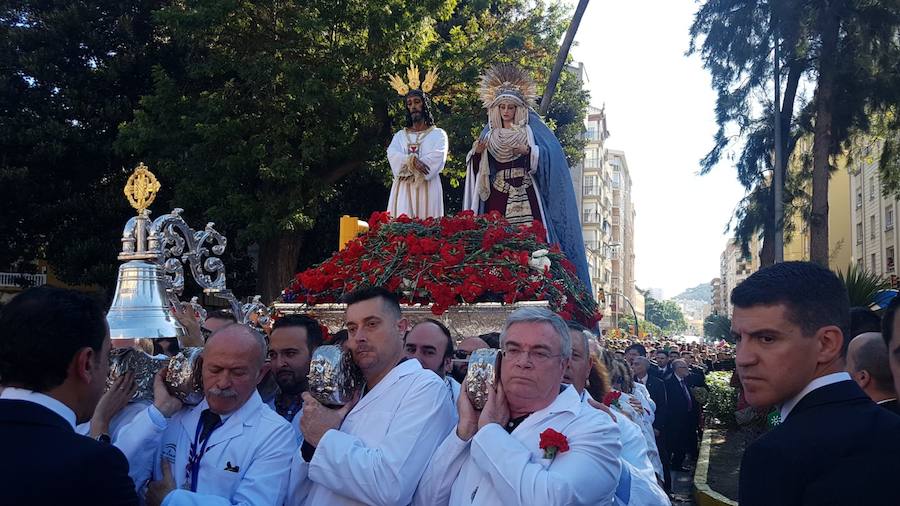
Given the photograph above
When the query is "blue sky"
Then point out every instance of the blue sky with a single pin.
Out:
(660, 111)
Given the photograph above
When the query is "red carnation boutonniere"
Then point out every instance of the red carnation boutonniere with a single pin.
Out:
(553, 442)
(612, 398)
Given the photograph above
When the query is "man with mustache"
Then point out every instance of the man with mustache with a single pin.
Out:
(417, 153)
(293, 340)
(229, 449)
(375, 450)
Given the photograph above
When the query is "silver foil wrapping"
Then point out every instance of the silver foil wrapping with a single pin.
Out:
(484, 369)
(183, 377)
(333, 376)
(144, 367)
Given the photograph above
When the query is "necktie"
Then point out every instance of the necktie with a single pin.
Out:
(210, 422)
(687, 394)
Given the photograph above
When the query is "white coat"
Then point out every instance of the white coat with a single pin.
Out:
(646, 427)
(642, 487)
(383, 445)
(418, 199)
(247, 459)
(496, 467)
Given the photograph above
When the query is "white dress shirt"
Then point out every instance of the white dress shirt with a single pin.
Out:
(22, 394)
(500, 468)
(383, 445)
(815, 384)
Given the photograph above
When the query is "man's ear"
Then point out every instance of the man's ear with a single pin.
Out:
(84, 365)
(862, 378)
(402, 327)
(831, 342)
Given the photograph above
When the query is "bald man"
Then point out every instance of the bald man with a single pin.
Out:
(229, 449)
(867, 363)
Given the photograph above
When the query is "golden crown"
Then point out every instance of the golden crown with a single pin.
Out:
(506, 80)
(412, 81)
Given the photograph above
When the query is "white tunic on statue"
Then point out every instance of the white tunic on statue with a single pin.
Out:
(383, 445)
(247, 459)
(423, 196)
(496, 467)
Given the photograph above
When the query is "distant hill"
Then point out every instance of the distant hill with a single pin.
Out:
(700, 292)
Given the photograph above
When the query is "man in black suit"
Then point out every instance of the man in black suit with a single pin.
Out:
(867, 363)
(54, 359)
(681, 425)
(834, 445)
(662, 369)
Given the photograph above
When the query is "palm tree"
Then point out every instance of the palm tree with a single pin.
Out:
(862, 285)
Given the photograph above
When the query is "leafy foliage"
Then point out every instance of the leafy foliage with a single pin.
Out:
(722, 401)
(665, 314)
(862, 285)
(716, 326)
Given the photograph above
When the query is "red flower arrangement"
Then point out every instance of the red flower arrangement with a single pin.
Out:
(448, 261)
(553, 442)
(612, 398)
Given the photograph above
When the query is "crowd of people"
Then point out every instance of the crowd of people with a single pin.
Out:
(574, 418)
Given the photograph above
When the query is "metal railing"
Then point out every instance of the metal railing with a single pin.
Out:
(21, 280)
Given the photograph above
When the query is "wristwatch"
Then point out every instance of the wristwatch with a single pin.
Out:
(104, 438)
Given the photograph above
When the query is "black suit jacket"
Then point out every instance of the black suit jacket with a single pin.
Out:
(680, 414)
(892, 406)
(657, 389)
(46, 462)
(836, 447)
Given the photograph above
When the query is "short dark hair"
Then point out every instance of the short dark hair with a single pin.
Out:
(863, 319)
(313, 329)
(388, 298)
(492, 339)
(642, 351)
(41, 331)
(887, 322)
(813, 296)
(448, 349)
(339, 338)
(662, 352)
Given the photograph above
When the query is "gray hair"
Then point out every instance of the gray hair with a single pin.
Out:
(541, 315)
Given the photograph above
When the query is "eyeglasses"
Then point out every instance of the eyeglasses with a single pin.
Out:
(461, 354)
(536, 356)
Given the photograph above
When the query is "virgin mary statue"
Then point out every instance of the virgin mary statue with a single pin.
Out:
(517, 166)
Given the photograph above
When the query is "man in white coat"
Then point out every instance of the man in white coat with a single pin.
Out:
(431, 344)
(496, 457)
(291, 343)
(375, 450)
(637, 483)
(417, 155)
(229, 449)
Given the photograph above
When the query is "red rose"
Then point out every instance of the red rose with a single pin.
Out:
(553, 442)
(612, 397)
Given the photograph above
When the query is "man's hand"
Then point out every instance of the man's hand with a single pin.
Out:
(158, 490)
(636, 404)
(166, 403)
(118, 395)
(421, 167)
(495, 409)
(468, 416)
(185, 316)
(318, 419)
(602, 407)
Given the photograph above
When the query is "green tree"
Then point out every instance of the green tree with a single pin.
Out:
(862, 285)
(271, 105)
(842, 45)
(665, 314)
(70, 72)
(716, 326)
